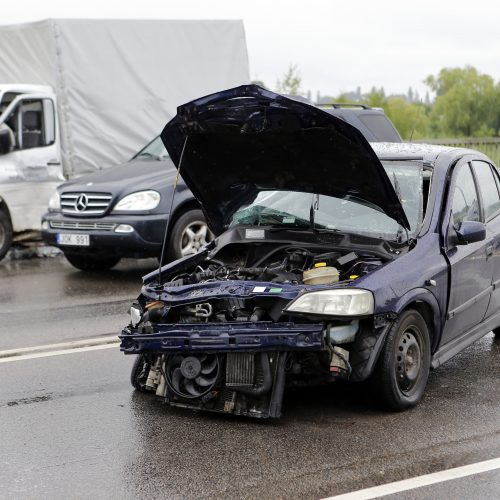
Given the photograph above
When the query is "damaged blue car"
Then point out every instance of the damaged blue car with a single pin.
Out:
(335, 260)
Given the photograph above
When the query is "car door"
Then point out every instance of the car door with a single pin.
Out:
(37, 154)
(489, 182)
(470, 264)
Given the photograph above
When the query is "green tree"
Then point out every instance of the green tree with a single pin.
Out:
(466, 103)
(290, 82)
(409, 118)
(375, 98)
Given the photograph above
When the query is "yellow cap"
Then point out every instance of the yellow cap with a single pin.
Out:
(320, 264)
(353, 276)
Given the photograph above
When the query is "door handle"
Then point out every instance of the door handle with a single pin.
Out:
(53, 162)
(489, 250)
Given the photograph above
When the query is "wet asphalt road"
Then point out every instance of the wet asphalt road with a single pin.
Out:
(71, 426)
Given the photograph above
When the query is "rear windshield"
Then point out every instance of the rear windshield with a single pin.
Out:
(380, 126)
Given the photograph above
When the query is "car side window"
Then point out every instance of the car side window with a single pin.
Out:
(488, 188)
(33, 123)
(465, 200)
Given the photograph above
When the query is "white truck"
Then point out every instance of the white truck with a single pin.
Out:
(95, 92)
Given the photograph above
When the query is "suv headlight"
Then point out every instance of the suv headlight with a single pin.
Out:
(55, 201)
(142, 200)
(340, 302)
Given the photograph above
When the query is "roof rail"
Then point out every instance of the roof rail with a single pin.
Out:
(344, 105)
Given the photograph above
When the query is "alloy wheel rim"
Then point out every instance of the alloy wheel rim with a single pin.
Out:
(408, 359)
(194, 237)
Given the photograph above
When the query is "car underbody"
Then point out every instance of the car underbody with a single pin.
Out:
(213, 332)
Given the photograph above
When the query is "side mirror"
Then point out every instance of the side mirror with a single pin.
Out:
(470, 232)
(6, 140)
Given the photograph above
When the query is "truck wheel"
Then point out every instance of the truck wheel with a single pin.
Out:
(5, 234)
(189, 235)
(403, 367)
(88, 263)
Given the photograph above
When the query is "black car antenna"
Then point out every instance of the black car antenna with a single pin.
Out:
(177, 177)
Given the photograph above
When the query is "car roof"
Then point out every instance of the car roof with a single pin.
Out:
(419, 151)
(373, 123)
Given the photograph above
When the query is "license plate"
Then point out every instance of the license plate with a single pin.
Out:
(77, 240)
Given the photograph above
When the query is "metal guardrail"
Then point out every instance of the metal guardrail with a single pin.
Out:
(490, 146)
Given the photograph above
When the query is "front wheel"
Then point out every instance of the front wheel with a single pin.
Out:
(189, 235)
(90, 263)
(139, 373)
(5, 234)
(403, 367)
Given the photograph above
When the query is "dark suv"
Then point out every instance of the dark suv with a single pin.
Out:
(122, 211)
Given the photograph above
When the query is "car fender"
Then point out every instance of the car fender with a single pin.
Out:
(426, 296)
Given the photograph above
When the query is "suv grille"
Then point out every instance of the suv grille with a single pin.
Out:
(82, 226)
(85, 203)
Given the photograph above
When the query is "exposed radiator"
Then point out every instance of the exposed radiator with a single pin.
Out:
(240, 369)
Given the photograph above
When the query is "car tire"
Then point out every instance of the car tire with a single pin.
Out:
(5, 234)
(189, 235)
(137, 376)
(90, 263)
(403, 367)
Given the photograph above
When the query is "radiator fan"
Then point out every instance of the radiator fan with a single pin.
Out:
(191, 375)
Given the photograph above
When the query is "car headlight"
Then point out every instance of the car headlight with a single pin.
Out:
(142, 200)
(340, 302)
(55, 201)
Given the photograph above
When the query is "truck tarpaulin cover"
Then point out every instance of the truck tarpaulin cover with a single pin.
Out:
(119, 82)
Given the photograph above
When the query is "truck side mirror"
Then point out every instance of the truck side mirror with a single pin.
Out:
(470, 232)
(6, 142)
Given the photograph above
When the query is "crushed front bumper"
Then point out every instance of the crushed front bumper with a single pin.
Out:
(222, 337)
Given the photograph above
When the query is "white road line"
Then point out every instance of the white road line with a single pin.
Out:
(47, 354)
(43, 351)
(419, 481)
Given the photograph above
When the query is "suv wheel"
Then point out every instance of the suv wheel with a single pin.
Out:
(403, 367)
(189, 235)
(89, 263)
(5, 234)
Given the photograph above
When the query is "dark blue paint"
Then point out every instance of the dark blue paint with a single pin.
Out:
(435, 276)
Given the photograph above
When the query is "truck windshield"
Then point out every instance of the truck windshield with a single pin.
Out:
(154, 150)
(292, 209)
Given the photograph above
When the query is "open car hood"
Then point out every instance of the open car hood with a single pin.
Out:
(233, 144)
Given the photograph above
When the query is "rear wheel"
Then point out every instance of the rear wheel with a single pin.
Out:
(90, 263)
(189, 235)
(5, 234)
(403, 368)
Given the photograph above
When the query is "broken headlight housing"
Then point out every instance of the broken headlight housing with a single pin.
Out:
(135, 315)
(348, 302)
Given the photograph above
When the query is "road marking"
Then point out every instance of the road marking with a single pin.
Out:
(419, 481)
(43, 351)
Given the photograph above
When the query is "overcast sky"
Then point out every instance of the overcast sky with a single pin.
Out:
(336, 45)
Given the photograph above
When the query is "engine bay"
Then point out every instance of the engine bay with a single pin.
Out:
(214, 332)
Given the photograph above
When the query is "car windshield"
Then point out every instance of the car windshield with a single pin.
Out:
(154, 150)
(293, 209)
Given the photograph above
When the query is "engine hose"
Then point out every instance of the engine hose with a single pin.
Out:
(266, 383)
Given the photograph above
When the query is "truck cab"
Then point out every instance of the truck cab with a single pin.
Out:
(30, 158)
